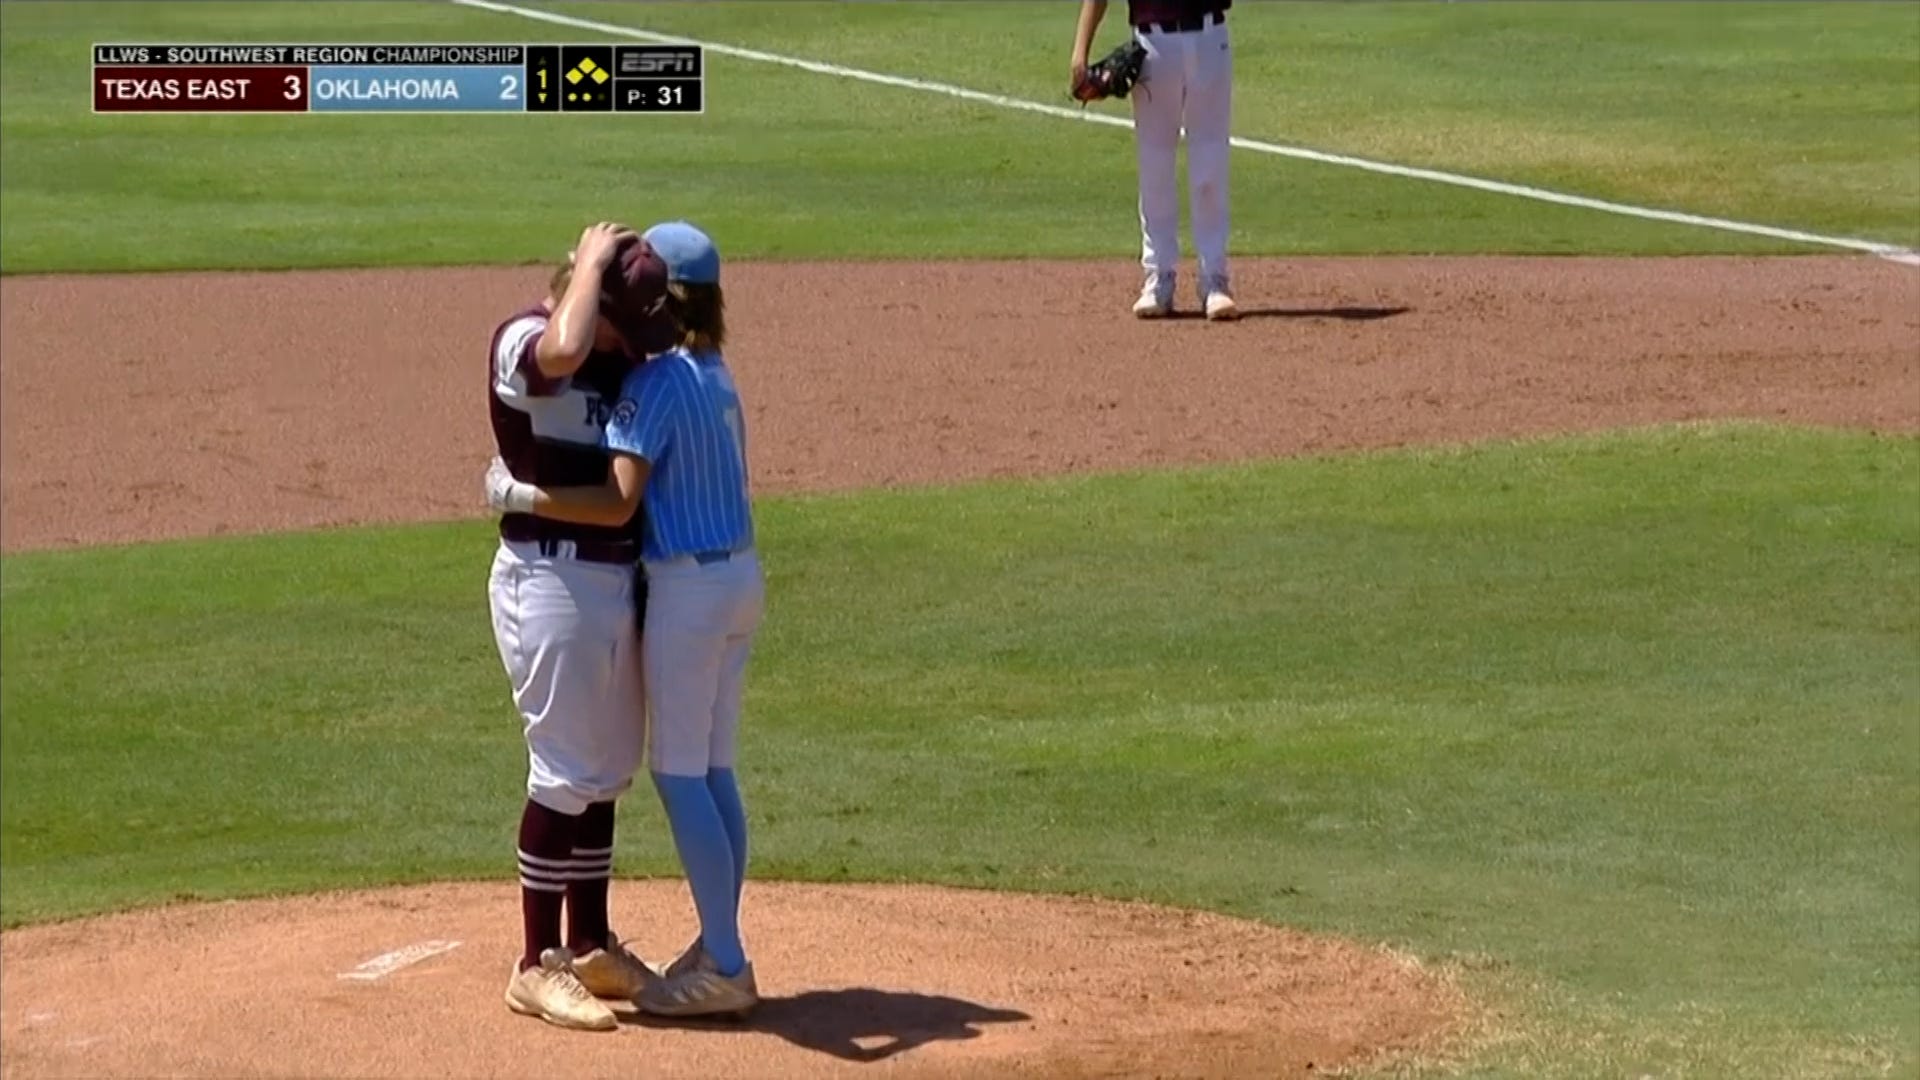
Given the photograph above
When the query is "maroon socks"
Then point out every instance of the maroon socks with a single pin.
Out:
(565, 863)
(587, 884)
(546, 858)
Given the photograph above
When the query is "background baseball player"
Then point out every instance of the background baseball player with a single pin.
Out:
(562, 597)
(677, 437)
(1186, 81)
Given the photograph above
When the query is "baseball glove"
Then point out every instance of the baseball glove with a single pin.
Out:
(1113, 75)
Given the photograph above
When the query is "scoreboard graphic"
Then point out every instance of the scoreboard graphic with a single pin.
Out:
(352, 78)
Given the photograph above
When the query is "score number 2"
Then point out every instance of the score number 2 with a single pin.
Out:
(510, 86)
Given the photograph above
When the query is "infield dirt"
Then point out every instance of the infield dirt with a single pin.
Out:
(147, 406)
(141, 407)
(930, 982)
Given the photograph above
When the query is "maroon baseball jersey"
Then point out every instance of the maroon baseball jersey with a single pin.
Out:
(548, 430)
(1142, 12)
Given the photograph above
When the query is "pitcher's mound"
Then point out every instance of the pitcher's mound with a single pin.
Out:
(924, 981)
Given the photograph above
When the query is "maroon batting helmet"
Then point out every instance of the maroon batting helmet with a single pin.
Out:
(633, 297)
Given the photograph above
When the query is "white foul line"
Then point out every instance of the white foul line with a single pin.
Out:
(1499, 187)
(387, 963)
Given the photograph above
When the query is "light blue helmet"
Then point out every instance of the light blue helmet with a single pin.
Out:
(689, 253)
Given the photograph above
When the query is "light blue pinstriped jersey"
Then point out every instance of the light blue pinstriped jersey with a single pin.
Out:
(680, 411)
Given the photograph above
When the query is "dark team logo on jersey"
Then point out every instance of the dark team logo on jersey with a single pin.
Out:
(598, 409)
(624, 412)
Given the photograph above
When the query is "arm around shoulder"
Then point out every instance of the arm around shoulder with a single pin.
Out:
(610, 504)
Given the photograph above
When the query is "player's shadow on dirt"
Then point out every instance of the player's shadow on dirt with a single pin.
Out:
(1343, 313)
(860, 1023)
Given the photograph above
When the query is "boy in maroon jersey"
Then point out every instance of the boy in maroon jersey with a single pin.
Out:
(563, 599)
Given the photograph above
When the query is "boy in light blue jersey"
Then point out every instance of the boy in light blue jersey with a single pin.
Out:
(678, 440)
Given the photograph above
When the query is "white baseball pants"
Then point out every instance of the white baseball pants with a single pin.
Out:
(565, 631)
(701, 619)
(1186, 82)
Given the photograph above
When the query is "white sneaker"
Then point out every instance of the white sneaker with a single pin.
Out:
(1219, 303)
(613, 973)
(553, 993)
(1156, 299)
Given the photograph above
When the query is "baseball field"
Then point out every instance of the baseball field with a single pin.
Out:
(1497, 655)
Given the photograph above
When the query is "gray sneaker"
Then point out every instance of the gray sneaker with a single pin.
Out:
(693, 958)
(702, 991)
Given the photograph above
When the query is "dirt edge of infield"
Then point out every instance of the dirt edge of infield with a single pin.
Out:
(359, 398)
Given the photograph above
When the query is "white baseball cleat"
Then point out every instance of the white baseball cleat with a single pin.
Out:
(553, 993)
(613, 972)
(702, 991)
(1156, 300)
(1220, 306)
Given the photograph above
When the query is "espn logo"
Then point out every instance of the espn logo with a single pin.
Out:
(657, 61)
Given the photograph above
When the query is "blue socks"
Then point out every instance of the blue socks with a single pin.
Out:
(706, 848)
(733, 815)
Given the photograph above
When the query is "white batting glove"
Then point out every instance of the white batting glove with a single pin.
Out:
(506, 494)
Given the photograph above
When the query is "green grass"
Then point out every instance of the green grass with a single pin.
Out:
(1783, 113)
(1798, 114)
(1627, 727)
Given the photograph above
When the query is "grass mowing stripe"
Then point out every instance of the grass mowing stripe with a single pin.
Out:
(1628, 723)
(1808, 120)
(1761, 112)
(1345, 161)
